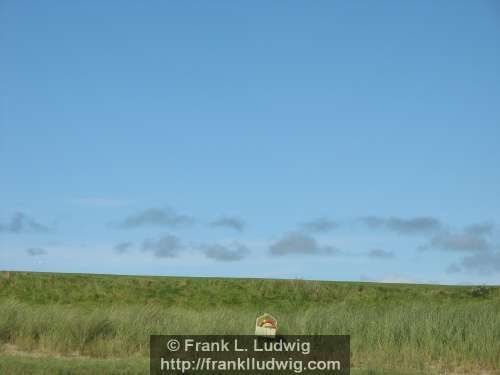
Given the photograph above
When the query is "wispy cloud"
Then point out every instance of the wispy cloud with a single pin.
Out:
(300, 243)
(416, 225)
(231, 222)
(381, 254)
(481, 263)
(23, 223)
(123, 247)
(167, 246)
(225, 253)
(477, 240)
(320, 225)
(480, 229)
(36, 251)
(459, 242)
(473, 238)
(162, 217)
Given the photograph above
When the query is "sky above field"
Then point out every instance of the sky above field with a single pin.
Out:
(318, 140)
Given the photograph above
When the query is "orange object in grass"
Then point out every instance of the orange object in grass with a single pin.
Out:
(268, 323)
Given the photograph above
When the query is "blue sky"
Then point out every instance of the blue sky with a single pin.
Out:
(328, 140)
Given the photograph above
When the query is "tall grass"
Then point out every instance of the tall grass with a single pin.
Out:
(420, 328)
(18, 365)
(414, 336)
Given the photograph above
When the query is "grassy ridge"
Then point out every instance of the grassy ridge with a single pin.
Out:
(399, 327)
(203, 293)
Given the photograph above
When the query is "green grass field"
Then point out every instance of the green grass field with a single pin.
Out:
(100, 324)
